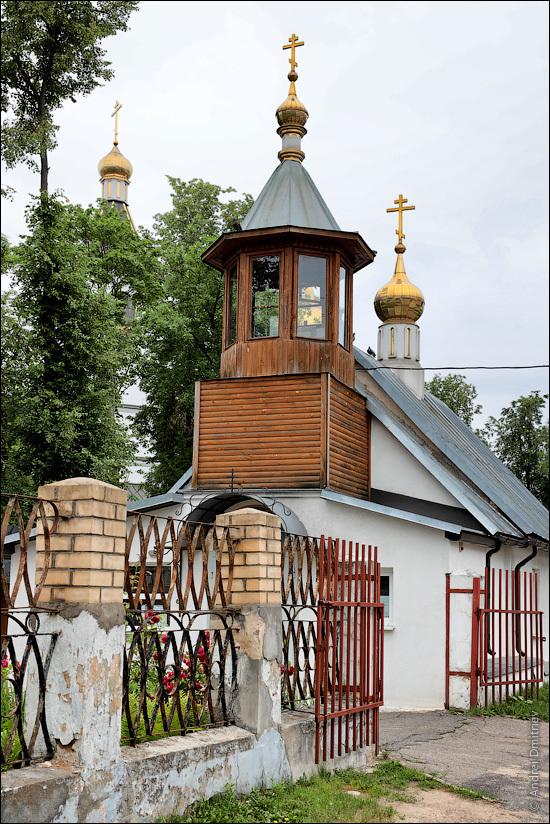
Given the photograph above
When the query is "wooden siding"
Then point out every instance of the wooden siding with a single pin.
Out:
(348, 442)
(277, 356)
(296, 431)
(268, 430)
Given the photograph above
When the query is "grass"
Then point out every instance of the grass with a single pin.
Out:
(519, 706)
(323, 798)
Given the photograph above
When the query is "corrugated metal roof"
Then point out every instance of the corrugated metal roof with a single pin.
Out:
(466, 451)
(290, 198)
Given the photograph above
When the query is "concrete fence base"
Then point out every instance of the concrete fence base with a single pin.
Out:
(167, 776)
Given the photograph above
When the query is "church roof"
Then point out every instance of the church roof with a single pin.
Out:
(505, 506)
(290, 198)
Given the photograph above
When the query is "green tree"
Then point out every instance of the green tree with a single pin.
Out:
(457, 393)
(184, 330)
(50, 54)
(520, 439)
(68, 346)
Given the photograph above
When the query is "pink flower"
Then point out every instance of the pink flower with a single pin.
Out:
(156, 656)
(202, 653)
(290, 670)
(282, 670)
(164, 638)
(5, 662)
(207, 636)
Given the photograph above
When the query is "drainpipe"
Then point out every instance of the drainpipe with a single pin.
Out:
(516, 594)
(491, 552)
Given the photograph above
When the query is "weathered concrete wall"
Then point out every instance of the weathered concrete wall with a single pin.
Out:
(167, 776)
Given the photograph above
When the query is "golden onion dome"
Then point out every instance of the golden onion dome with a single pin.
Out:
(115, 164)
(292, 112)
(399, 300)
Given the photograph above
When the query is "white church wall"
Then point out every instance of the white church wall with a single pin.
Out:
(394, 469)
(417, 557)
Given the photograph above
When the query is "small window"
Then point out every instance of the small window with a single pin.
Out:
(265, 296)
(312, 297)
(386, 596)
(342, 308)
(232, 308)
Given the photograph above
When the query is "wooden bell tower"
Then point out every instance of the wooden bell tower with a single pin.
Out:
(285, 413)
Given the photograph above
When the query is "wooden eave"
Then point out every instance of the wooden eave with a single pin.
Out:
(358, 252)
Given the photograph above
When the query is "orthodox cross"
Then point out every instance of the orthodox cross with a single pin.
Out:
(115, 115)
(400, 209)
(293, 44)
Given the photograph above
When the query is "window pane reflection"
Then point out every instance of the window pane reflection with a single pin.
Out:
(312, 297)
(265, 296)
(342, 308)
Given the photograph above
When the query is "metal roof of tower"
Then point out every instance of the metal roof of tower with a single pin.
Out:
(290, 198)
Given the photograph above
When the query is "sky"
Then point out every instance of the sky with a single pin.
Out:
(443, 102)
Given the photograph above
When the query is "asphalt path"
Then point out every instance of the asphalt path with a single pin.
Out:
(498, 756)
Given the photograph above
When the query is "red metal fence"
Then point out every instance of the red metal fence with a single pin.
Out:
(506, 638)
(350, 649)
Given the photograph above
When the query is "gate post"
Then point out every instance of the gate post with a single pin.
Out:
(84, 591)
(256, 590)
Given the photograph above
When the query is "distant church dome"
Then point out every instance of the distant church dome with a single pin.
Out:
(115, 164)
(399, 300)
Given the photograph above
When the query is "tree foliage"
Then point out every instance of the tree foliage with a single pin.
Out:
(68, 347)
(457, 393)
(50, 54)
(184, 329)
(520, 439)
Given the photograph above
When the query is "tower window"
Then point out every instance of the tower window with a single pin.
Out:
(392, 342)
(342, 308)
(265, 296)
(312, 297)
(408, 343)
(232, 308)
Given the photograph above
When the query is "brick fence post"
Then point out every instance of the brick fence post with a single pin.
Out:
(84, 586)
(256, 590)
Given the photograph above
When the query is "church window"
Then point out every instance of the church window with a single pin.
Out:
(408, 342)
(109, 189)
(392, 342)
(312, 297)
(386, 596)
(118, 188)
(232, 308)
(265, 296)
(342, 308)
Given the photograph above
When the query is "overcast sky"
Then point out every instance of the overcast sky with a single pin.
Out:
(444, 102)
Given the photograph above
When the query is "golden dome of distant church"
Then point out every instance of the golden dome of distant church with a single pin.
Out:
(115, 164)
(399, 300)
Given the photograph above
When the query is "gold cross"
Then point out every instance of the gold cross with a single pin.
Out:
(115, 115)
(400, 209)
(293, 44)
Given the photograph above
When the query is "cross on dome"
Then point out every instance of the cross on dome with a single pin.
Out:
(293, 44)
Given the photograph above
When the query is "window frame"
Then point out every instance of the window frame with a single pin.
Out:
(250, 296)
(329, 259)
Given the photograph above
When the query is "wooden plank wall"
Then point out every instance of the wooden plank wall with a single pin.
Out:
(281, 432)
(349, 442)
(267, 429)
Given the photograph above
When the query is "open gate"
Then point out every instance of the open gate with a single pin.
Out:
(506, 637)
(349, 649)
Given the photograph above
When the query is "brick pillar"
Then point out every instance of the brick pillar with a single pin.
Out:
(256, 591)
(85, 586)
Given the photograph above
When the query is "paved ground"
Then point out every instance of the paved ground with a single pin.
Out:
(499, 756)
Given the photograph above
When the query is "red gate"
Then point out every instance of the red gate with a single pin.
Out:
(350, 649)
(507, 638)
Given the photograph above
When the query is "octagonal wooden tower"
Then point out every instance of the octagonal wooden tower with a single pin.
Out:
(285, 413)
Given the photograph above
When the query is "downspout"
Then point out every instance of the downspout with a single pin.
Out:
(517, 593)
(491, 552)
